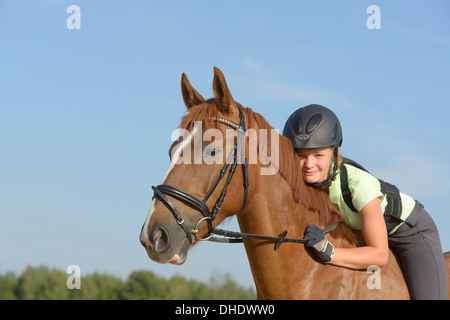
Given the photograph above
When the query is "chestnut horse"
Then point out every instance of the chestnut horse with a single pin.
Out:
(265, 202)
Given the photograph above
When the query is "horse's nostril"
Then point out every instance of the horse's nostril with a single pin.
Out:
(160, 239)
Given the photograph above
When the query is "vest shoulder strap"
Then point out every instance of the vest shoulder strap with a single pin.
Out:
(393, 209)
(346, 194)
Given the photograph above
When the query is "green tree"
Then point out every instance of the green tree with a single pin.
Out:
(143, 285)
(41, 284)
(98, 287)
(7, 284)
(46, 284)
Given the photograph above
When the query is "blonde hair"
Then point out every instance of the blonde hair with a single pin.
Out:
(340, 158)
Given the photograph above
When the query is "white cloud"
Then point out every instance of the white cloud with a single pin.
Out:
(431, 37)
(260, 83)
(417, 175)
(254, 66)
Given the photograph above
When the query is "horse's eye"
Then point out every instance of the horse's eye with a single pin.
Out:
(212, 151)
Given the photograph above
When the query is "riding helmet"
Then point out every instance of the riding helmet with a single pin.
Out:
(313, 126)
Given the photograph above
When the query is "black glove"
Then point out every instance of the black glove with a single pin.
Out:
(322, 249)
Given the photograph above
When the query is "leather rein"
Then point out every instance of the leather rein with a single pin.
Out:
(163, 190)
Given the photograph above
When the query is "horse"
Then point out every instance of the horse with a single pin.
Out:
(267, 198)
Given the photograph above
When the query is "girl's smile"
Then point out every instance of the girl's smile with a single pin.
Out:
(315, 163)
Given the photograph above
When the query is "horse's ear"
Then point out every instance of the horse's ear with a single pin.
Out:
(223, 95)
(190, 96)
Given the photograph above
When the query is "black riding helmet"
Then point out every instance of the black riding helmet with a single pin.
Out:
(315, 126)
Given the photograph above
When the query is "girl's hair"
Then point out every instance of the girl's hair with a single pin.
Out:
(340, 158)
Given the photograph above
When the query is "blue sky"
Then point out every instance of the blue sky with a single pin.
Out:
(86, 115)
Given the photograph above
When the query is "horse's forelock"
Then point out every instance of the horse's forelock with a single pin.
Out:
(202, 112)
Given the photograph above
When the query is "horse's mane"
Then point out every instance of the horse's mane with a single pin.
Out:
(289, 166)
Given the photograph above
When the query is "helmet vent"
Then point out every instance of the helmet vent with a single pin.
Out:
(296, 123)
(313, 123)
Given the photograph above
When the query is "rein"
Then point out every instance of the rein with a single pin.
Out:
(237, 237)
(162, 191)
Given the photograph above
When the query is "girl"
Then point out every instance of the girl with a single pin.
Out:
(386, 217)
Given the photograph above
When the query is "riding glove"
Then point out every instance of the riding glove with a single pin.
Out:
(322, 249)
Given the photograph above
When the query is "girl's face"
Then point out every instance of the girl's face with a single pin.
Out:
(315, 163)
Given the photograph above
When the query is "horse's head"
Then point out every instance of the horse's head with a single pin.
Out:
(207, 173)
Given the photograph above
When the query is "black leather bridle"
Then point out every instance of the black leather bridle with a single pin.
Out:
(164, 190)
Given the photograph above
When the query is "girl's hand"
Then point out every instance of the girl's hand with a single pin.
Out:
(322, 249)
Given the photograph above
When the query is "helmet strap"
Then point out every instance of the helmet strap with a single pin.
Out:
(332, 177)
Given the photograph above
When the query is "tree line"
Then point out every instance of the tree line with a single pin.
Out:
(43, 283)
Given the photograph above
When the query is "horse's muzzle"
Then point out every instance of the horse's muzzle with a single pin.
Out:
(163, 246)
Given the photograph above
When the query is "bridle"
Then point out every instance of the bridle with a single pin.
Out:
(164, 190)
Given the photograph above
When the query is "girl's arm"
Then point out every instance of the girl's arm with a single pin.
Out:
(376, 251)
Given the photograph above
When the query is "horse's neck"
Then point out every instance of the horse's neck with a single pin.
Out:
(271, 207)
(270, 211)
(289, 273)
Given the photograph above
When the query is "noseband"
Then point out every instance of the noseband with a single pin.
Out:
(164, 190)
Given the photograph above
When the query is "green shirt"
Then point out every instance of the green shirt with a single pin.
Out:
(363, 188)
